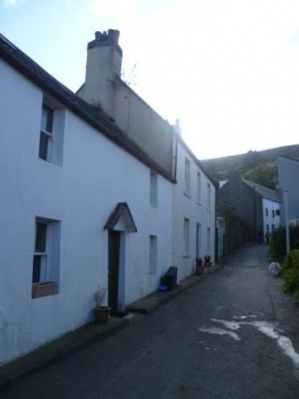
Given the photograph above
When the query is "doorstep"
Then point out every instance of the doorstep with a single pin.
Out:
(152, 301)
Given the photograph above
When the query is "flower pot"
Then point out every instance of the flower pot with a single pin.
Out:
(101, 314)
(199, 270)
(44, 289)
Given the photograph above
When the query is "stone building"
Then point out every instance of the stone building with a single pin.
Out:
(249, 210)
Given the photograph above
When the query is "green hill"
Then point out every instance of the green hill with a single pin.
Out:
(258, 166)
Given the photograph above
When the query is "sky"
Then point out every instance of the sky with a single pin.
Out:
(227, 69)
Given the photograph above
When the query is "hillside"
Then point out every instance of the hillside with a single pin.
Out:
(258, 166)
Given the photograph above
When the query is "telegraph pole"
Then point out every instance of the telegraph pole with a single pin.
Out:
(287, 220)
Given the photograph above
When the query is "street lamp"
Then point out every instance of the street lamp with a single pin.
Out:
(287, 220)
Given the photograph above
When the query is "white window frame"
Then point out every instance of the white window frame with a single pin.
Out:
(47, 249)
(54, 134)
(48, 134)
(41, 253)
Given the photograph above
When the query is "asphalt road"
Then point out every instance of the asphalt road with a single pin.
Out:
(233, 335)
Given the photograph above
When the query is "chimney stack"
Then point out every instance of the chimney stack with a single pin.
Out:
(103, 68)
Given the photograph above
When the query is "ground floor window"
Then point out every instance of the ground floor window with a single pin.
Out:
(46, 257)
(153, 255)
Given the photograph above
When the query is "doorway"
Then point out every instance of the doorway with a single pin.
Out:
(113, 269)
(198, 236)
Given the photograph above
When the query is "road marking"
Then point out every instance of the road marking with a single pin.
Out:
(220, 331)
(231, 325)
(245, 317)
(268, 329)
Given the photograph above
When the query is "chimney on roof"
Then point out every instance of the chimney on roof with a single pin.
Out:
(178, 126)
(103, 69)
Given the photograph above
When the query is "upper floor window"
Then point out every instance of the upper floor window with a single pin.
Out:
(46, 134)
(266, 210)
(154, 189)
(273, 213)
(198, 187)
(187, 175)
(51, 131)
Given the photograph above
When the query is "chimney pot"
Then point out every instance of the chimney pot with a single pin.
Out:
(98, 35)
(114, 34)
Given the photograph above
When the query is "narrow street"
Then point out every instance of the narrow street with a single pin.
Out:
(232, 335)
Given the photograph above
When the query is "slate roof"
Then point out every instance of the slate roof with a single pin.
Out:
(265, 192)
(94, 117)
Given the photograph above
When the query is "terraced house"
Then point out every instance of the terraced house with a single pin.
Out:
(96, 189)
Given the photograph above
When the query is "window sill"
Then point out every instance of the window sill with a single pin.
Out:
(199, 203)
(187, 194)
(44, 289)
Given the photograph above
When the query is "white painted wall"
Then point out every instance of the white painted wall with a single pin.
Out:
(197, 211)
(155, 136)
(272, 220)
(94, 176)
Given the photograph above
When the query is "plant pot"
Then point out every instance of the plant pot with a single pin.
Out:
(101, 314)
(44, 289)
(199, 270)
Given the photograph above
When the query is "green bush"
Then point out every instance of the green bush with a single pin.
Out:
(290, 272)
(291, 280)
(296, 293)
(278, 242)
(291, 260)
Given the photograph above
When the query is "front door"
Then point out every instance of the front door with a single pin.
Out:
(197, 249)
(113, 277)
